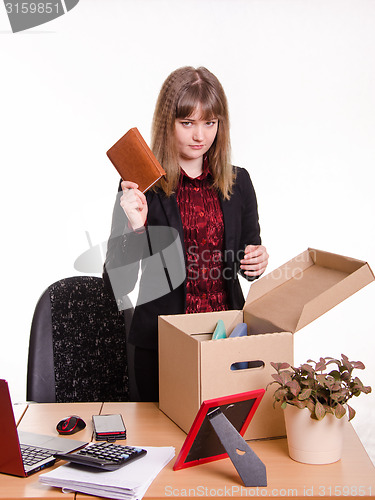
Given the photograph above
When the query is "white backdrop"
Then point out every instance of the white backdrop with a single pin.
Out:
(300, 79)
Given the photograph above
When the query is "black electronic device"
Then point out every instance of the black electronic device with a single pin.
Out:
(105, 456)
(109, 427)
(70, 425)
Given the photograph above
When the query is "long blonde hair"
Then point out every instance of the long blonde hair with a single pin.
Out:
(182, 92)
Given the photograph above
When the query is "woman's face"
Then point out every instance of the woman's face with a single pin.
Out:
(194, 136)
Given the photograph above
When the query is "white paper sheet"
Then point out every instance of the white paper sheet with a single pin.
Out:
(128, 482)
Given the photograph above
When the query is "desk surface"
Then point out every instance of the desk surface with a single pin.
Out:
(353, 475)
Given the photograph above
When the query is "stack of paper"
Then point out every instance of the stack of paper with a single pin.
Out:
(129, 482)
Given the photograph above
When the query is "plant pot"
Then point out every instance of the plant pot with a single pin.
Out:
(313, 441)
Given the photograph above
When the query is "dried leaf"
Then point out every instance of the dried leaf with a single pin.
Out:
(321, 365)
(284, 366)
(307, 368)
(340, 411)
(321, 378)
(351, 412)
(285, 377)
(319, 410)
(358, 365)
(357, 383)
(294, 387)
(310, 405)
(280, 394)
(347, 364)
(277, 378)
(335, 374)
(279, 366)
(336, 397)
(336, 386)
(304, 394)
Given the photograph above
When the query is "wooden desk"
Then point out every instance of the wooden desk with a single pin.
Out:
(353, 475)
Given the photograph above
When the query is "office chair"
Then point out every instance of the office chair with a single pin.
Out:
(77, 349)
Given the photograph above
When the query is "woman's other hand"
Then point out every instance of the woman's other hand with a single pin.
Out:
(255, 260)
(134, 204)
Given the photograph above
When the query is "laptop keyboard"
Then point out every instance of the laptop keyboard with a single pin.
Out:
(32, 454)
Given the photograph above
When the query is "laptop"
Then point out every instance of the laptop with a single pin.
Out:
(24, 453)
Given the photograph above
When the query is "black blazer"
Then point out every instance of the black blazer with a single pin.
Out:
(160, 250)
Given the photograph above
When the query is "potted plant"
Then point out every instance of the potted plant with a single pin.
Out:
(321, 390)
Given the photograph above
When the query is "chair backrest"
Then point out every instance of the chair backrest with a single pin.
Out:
(77, 349)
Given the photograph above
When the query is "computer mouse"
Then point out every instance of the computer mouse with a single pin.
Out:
(70, 425)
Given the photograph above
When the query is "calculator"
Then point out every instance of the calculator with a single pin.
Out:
(105, 456)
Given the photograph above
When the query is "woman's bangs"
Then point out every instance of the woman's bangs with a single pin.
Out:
(198, 97)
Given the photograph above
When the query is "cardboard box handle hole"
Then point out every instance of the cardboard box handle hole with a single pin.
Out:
(247, 365)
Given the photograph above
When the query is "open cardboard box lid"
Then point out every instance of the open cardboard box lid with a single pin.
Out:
(295, 294)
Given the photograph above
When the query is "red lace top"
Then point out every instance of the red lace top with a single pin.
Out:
(203, 225)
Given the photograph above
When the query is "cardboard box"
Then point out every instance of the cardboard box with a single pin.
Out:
(194, 368)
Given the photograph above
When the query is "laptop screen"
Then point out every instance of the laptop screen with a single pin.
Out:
(10, 453)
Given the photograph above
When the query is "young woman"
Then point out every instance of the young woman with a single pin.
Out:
(204, 207)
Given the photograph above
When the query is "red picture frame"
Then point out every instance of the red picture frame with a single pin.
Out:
(201, 444)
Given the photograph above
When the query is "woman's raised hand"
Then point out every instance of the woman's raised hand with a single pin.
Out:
(134, 204)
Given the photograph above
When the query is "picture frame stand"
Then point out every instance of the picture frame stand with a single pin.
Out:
(248, 465)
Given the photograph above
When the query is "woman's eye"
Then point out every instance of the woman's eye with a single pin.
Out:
(210, 124)
(186, 124)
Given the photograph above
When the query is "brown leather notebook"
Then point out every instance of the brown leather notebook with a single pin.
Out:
(135, 161)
